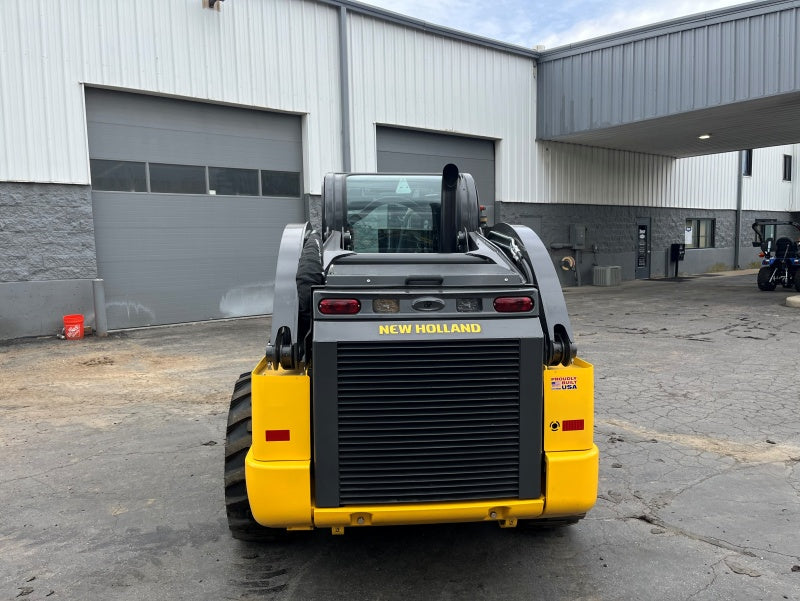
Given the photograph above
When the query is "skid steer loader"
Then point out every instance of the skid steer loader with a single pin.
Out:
(421, 368)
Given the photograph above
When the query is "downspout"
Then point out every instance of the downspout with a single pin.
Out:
(738, 225)
(344, 88)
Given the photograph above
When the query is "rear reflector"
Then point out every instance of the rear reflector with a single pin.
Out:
(339, 306)
(572, 424)
(513, 304)
(278, 435)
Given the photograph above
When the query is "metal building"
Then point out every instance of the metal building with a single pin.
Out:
(162, 146)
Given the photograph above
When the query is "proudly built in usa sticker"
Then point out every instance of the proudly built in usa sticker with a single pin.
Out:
(564, 383)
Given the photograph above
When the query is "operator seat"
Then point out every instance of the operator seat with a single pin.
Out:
(785, 248)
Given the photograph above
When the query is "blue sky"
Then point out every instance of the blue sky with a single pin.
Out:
(551, 23)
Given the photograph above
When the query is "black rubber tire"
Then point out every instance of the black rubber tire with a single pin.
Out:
(797, 280)
(764, 275)
(238, 439)
(549, 523)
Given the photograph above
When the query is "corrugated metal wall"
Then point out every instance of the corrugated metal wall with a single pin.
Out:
(278, 54)
(574, 174)
(284, 55)
(409, 78)
(686, 68)
(765, 190)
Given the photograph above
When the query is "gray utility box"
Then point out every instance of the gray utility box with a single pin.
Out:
(610, 275)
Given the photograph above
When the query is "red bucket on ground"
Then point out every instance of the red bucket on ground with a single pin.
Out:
(73, 327)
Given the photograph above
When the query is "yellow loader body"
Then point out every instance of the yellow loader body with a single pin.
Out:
(280, 475)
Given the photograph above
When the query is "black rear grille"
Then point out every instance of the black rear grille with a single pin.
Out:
(428, 421)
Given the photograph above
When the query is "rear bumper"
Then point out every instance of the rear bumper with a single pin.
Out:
(280, 497)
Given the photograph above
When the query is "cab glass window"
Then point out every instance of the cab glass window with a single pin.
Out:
(393, 213)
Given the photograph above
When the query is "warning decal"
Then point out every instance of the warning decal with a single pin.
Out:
(403, 187)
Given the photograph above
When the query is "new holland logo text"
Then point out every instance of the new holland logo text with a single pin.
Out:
(564, 383)
(429, 328)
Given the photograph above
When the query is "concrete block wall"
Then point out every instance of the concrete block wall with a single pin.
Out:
(613, 232)
(47, 257)
(46, 232)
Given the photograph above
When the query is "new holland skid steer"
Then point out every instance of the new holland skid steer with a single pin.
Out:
(421, 369)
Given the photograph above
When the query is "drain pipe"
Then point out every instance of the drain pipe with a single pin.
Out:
(344, 88)
(738, 225)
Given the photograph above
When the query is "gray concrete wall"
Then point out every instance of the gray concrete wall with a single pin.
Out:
(612, 231)
(38, 308)
(46, 232)
(47, 257)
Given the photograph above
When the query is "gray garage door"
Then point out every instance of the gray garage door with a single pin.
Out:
(189, 203)
(410, 151)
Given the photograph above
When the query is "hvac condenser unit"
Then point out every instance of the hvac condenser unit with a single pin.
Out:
(610, 275)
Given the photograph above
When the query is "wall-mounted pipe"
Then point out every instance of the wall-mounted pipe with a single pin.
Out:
(738, 223)
(344, 88)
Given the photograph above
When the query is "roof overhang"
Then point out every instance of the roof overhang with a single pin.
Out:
(732, 75)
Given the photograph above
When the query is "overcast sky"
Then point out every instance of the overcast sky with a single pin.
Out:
(553, 22)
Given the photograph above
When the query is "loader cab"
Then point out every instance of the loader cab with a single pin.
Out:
(400, 213)
(393, 214)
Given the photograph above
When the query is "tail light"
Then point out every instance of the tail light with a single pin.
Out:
(513, 304)
(339, 306)
(571, 425)
(762, 255)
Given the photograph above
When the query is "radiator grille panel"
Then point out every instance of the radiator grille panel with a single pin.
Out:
(428, 421)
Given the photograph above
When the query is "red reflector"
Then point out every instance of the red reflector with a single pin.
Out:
(762, 255)
(278, 435)
(572, 424)
(513, 304)
(339, 306)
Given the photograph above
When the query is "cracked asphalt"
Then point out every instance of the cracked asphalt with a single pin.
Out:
(111, 472)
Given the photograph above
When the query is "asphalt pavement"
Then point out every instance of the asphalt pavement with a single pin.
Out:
(112, 453)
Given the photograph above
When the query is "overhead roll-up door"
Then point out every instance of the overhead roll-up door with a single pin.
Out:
(189, 201)
(414, 151)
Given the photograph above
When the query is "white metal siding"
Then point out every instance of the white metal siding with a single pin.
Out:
(284, 55)
(765, 190)
(410, 78)
(276, 54)
(574, 174)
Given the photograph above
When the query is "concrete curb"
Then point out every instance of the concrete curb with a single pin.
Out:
(793, 301)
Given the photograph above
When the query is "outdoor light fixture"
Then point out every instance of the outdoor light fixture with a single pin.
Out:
(703, 136)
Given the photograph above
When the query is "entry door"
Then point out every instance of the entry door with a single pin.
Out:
(642, 248)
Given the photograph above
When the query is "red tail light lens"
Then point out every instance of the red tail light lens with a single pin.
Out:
(339, 306)
(513, 304)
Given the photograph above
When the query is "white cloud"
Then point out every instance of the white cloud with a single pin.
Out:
(620, 19)
(530, 22)
(505, 20)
